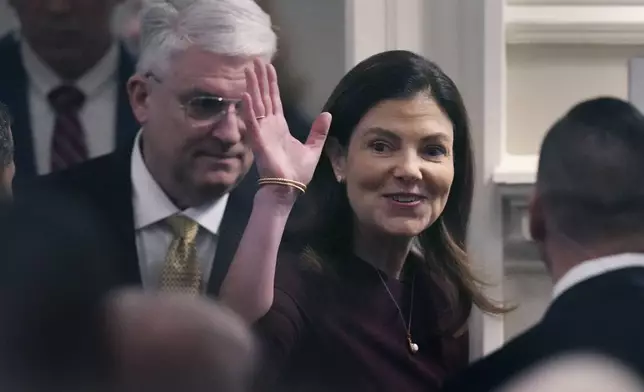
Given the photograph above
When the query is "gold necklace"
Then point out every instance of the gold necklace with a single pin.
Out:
(413, 347)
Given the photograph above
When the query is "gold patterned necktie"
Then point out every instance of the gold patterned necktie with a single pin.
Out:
(181, 272)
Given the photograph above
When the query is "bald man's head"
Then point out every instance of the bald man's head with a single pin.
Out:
(178, 343)
(590, 182)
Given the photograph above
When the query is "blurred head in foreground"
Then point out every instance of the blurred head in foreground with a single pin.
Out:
(172, 343)
(579, 372)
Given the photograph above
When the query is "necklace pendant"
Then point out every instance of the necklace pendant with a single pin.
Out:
(413, 347)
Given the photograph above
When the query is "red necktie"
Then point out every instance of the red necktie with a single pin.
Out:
(68, 145)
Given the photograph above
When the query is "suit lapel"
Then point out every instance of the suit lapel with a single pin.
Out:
(14, 93)
(107, 183)
(118, 202)
(232, 227)
(117, 198)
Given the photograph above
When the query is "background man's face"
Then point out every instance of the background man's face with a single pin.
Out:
(200, 156)
(62, 32)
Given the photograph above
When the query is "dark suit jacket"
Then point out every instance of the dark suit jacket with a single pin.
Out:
(104, 184)
(54, 256)
(14, 93)
(601, 315)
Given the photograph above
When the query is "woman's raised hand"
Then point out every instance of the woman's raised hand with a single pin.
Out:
(277, 153)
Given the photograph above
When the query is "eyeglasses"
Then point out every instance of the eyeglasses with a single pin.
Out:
(206, 110)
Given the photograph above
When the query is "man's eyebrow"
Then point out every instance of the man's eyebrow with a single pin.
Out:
(198, 92)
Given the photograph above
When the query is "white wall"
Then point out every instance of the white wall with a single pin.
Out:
(529, 290)
(314, 32)
(546, 80)
(325, 38)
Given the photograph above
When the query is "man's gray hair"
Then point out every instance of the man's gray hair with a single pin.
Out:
(227, 27)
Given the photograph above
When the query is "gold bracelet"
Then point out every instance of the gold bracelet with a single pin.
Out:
(282, 181)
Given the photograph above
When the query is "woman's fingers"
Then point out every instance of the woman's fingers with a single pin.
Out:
(262, 78)
(273, 89)
(254, 92)
(319, 131)
(250, 116)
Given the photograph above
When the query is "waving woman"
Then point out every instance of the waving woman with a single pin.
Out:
(372, 285)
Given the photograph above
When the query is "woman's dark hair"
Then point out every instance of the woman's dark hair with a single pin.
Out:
(324, 216)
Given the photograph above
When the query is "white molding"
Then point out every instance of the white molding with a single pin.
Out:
(405, 25)
(518, 245)
(576, 2)
(555, 24)
(365, 33)
(516, 170)
(466, 38)
(373, 26)
(636, 82)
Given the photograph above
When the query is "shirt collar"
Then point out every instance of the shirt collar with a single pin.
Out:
(592, 268)
(151, 204)
(45, 79)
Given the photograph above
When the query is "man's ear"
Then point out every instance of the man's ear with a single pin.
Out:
(338, 157)
(137, 90)
(537, 219)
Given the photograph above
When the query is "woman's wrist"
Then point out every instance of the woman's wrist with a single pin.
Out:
(280, 197)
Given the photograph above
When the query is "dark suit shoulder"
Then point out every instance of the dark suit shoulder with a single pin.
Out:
(495, 369)
(593, 316)
(8, 42)
(12, 72)
(95, 174)
(11, 69)
(104, 182)
(128, 62)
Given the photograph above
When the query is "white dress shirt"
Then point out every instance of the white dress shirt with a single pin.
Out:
(592, 268)
(97, 116)
(153, 234)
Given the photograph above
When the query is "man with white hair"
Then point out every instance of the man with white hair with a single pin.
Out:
(179, 198)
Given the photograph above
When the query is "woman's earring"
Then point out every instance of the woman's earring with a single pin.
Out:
(340, 179)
